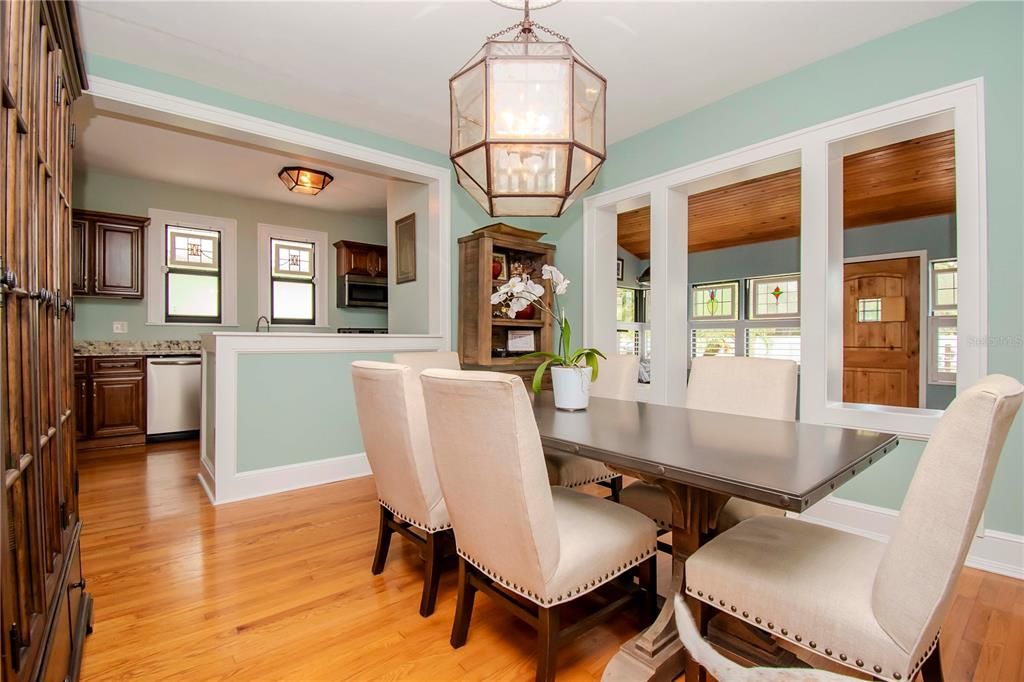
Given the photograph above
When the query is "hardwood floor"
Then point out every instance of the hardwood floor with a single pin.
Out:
(280, 588)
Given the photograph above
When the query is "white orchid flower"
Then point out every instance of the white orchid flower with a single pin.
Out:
(498, 297)
(516, 305)
(534, 289)
(559, 283)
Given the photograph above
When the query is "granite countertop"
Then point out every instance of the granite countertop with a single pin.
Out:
(177, 347)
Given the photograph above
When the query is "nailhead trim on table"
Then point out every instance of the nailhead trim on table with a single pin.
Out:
(411, 521)
(798, 639)
(569, 594)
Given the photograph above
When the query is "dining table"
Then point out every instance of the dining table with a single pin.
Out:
(702, 459)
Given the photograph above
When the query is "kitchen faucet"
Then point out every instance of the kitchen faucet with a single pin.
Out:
(262, 318)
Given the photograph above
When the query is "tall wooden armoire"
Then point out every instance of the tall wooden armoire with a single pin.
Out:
(44, 608)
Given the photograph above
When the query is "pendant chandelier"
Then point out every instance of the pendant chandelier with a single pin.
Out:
(528, 122)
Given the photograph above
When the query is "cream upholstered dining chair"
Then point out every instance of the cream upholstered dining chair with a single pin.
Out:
(617, 379)
(749, 387)
(421, 360)
(389, 403)
(868, 605)
(520, 540)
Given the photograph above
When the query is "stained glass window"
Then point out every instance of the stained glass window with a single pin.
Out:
(774, 297)
(292, 282)
(944, 287)
(717, 301)
(192, 275)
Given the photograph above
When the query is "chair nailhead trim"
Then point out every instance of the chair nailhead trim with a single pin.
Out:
(814, 645)
(403, 517)
(570, 593)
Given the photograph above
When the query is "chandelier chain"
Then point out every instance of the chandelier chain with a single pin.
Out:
(527, 32)
(551, 32)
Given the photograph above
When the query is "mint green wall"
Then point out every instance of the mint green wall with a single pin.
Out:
(981, 40)
(104, 192)
(311, 393)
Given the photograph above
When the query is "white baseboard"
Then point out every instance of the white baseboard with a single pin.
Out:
(994, 551)
(249, 484)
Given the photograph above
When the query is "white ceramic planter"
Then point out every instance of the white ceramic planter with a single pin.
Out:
(571, 386)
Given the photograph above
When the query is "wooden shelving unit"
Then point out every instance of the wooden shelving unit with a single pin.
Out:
(483, 330)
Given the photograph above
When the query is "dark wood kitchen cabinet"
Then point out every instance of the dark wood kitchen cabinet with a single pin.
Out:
(108, 255)
(357, 258)
(111, 401)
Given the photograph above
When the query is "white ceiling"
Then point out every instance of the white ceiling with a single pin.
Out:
(383, 66)
(142, 149)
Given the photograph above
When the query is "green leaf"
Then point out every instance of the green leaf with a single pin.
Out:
(592, 363)
(538, 376)
(543, 354)
(566, 338)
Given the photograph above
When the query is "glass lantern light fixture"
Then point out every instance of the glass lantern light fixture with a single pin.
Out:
(527, 122)
(305, 180)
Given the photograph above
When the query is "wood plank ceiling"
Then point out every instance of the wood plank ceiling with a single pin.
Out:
(905, 180)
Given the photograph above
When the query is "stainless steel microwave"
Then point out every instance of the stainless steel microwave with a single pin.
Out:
(360, 291)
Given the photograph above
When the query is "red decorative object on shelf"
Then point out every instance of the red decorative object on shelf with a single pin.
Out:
(527, 313)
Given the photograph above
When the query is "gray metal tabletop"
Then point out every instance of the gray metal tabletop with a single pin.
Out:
(788, 465)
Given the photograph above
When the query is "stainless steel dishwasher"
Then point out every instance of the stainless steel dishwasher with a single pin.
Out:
(173, 396)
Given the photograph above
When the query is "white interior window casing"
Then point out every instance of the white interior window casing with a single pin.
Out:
(195, 232)
(305, 263)
(958, 106)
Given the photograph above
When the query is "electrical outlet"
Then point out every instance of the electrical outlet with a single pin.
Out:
(120, 327)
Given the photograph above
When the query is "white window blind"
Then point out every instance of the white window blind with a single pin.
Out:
(781, 343)
(712, 342)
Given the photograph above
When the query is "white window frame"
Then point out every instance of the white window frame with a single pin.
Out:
(751, 308)
(934, 375)
(820, 247)
(737, 302)
(156, 250)
(321, 282)
(935, 321)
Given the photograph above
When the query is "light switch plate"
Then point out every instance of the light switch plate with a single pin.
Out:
(120, 327)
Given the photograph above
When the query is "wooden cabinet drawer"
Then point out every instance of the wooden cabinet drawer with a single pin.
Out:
(81, 365)
(118, 365)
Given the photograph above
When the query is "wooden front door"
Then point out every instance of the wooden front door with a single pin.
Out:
(882, 332)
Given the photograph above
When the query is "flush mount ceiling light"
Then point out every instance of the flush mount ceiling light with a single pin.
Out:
(528, 121)
(305, 180)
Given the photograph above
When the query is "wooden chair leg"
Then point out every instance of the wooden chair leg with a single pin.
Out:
(616, 486)
(463, 606)
(547, 643)
(431, 573)
(383, 541)
(931, 670)
(702, 616)
(648, 572)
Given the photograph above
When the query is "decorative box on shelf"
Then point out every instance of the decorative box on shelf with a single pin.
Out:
(488, 338)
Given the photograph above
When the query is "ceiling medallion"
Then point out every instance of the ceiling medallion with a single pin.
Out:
(305, 180)
(527, 121)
